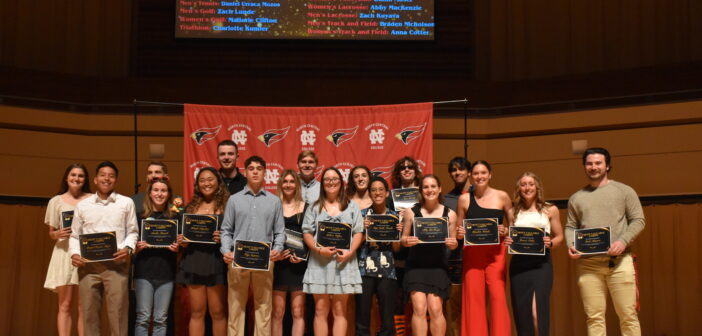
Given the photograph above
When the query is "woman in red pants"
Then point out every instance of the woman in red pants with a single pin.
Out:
(484, 265)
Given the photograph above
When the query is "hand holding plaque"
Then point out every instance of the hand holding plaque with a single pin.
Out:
(295, 244)
(159, 232)
(592, 241)
(252, 255)
(66, 219)
(199, 228)
(96, 247)
(404, 198)
(481, 231)
(333, 234)
(383, 228)
(526, 240)
(431, 229)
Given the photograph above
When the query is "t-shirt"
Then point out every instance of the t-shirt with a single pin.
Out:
(234, 184)
(451, 198)
(157, 265)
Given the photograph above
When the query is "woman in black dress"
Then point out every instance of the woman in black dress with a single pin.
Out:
(290, 270)
(426, 279)
(531, 276)
(202, 267)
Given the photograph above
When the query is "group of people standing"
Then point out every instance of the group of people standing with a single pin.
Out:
(395, 272)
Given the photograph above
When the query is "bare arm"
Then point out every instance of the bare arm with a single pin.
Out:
(451, 241)
(508, 240)
(407, 218)
(461, 209)
(507, 208)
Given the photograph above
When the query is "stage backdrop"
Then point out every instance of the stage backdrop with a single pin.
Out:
(375, 136)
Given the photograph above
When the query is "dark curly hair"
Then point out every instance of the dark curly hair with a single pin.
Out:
(396, 179)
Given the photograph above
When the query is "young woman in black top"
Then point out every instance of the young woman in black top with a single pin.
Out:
(484, 265)
(202, 267)
(426, 278)
(289, 271)
(154, 268)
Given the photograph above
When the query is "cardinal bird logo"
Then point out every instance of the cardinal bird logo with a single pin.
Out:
(411, 133)
(272, 136)
(202, 135)
(383, 172)
(339, 136)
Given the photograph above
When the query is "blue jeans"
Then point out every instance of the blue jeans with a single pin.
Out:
(148, 298)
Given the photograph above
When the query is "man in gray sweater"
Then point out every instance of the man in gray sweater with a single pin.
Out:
(606, 203)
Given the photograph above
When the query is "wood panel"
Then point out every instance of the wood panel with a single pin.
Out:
(554, 38)
(658, 137)
(75, 36)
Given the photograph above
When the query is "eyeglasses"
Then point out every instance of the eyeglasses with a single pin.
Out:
(403, 167)
(331, 180)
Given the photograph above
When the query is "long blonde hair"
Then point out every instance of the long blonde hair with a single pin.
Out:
(519, 203)
(297, 197)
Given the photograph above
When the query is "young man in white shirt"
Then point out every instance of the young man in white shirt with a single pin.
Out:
(105, 211)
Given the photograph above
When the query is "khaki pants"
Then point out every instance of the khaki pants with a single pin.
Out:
(261, 283)
(107, 280)
(596, 278)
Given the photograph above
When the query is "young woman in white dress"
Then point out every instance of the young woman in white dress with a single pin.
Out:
(62, 276)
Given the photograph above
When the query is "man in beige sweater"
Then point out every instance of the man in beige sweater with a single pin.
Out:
(606, 203)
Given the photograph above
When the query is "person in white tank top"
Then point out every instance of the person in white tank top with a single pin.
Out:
(531, 277)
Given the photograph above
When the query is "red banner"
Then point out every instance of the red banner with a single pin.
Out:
(375, 136)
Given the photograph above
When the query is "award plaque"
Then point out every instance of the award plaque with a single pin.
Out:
(383, 228)
(98, 246)
(404, 198)
(431, 229)
(252, 255)
(159, 232)
(199, 228)
(455, 271)
(526, 240)
(296, 245)
(592, 241)
(481, 231)
(66, 219)
(332, 234)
